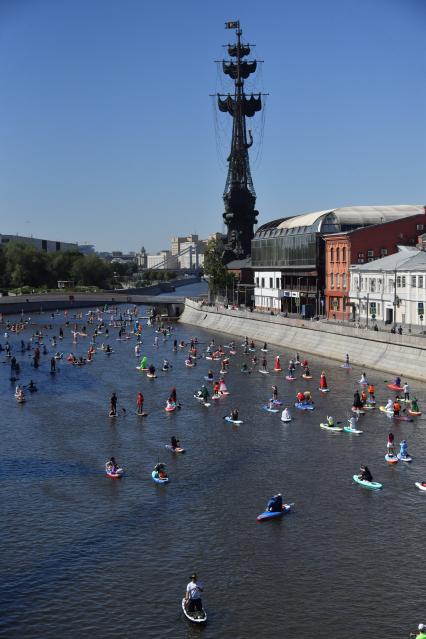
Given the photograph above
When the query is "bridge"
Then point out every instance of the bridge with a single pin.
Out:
(12, 305)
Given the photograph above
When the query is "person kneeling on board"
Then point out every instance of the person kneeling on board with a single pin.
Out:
(365, 474)
(275, 504)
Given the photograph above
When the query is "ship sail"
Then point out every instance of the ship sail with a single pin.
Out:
(249, 106)
(242, 70)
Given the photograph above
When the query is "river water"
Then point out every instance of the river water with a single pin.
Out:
(85, 556)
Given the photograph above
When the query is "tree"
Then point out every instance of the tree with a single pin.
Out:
(25, 265)
(91, 270)
(214, 268)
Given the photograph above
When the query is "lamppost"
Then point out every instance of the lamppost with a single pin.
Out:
(299, 298)
(367, 299)
(394, 299)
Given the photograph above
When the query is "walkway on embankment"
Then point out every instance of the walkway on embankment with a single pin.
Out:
(395, 354)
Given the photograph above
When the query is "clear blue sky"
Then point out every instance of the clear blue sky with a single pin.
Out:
(107, 131)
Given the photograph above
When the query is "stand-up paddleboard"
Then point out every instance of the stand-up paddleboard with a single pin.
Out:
(286, 420)
(290, 378)
(233, 421)
(403, 418)
(394, 387)
(335, 429)
(391, 459)
(372, 485)
(348, 366)
(277, 402)
(303, 406)
(214, 397)
(232, 352)
(421, 485)
(171, 408)
(388, 412)
(189, 364)
(208, 379)
(324, 390)
(270, 410)
(414, 412)
(117, 475)
(158, 480)
(264, 350)
(406, 458)
(306, 376)
(151, 375)
(358, 411)
(176, 450)
(264, 372)
(354, 431)
(277, 370)
(202, 618)
(141, 414)
(200, 399)
(286, 508)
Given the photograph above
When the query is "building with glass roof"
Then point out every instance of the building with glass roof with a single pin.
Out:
(288, 255)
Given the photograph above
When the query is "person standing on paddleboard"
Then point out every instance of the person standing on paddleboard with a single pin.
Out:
(264, 363)
(139, 402)
(391, 444)
(193, 595)
(113, 405)
(323, 381)
(406, 391)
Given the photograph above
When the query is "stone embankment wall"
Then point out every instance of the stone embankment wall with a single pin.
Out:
(396, 354)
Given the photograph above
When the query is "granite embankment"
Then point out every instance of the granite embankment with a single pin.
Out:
(395, 354)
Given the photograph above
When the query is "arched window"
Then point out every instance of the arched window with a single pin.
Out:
(331, 255)
(337, 254)
(344, 254)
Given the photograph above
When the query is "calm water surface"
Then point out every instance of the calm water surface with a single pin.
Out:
(84, 555)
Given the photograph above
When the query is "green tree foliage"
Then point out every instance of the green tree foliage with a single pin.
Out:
(23, 265)
(214, 268)
(91, 270)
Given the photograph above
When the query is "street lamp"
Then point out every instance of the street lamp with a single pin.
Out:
(367, 298)
(299, 293)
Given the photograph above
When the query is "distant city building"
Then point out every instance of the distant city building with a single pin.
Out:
(142, 258)
(191, 255)
(163, 260)
(48, 246)
(288, 255)
(86, 249)
(390, 290)
(176, 242)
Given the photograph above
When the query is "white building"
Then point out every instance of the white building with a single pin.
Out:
(392, 289)
(191, 255)
(269, 291)
(162, 260)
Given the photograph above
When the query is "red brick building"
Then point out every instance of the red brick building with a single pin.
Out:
(358, 246)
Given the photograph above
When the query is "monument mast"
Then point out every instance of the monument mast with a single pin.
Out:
(239, 195)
